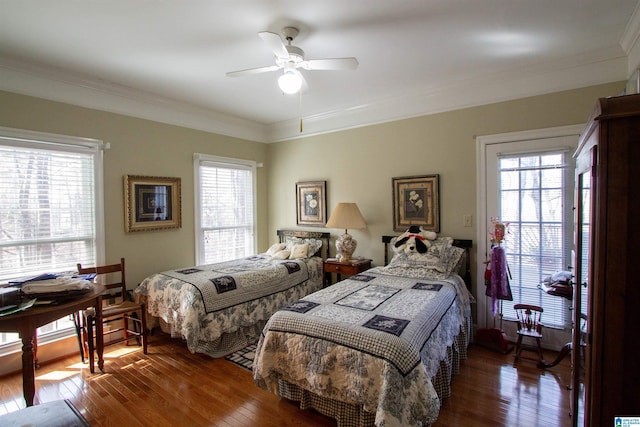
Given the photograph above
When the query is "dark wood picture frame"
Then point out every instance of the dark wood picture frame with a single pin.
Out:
(311, 203)
(416, 201)
(151, 203)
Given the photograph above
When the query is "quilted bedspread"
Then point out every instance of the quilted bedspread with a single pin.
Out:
(374, 340)
(201, 304)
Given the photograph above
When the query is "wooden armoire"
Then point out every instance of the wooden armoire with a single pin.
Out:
(606, 343)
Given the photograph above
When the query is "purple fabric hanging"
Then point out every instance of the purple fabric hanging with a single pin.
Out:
(499, 288)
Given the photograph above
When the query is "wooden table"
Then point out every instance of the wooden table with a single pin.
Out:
(26, 322)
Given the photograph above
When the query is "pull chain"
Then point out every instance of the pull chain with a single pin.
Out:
(300, 110)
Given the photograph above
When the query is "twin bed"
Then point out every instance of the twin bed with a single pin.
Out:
(220, 308)
(378, 348)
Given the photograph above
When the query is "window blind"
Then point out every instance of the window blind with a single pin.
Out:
(226, 209)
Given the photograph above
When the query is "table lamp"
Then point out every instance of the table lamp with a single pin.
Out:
(346, 215)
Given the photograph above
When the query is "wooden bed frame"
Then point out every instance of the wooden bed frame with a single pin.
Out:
(323, 252)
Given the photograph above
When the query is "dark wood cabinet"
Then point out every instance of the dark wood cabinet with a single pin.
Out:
(606, 338)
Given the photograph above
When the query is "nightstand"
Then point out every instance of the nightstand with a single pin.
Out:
(348, 268)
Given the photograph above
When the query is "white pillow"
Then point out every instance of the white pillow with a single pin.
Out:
(276, 247)
(283, 254)
(299, 251)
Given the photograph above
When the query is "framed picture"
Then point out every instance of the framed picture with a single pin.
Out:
(311, 203)
(416, 202)
(151, 203)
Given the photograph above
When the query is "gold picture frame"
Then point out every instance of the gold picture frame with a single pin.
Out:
(151, 203)
(416, 202)
(311, 203)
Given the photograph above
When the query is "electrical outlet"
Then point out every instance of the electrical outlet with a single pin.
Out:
(466, 220)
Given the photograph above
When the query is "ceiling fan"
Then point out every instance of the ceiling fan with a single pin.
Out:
(290, 58)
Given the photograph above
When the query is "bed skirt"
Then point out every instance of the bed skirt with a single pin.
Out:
(352, 415)
(226, 343)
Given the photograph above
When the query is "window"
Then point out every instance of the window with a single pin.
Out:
(535, 195)
(225, 208)
(50, 207)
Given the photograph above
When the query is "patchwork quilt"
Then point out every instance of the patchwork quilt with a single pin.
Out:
(205, 305)
(368, 340)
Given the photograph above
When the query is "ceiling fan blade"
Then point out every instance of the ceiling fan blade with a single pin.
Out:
(331, 64)
(275, 43)
(251, 71)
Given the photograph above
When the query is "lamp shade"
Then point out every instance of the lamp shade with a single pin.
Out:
(346, 215)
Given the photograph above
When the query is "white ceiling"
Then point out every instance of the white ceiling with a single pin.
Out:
(166, 60)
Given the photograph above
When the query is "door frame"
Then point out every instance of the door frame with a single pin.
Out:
(483, 142)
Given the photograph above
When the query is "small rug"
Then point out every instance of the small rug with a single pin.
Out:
(244, 357)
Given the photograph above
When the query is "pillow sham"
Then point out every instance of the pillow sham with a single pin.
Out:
(417, 260)
(299, 251)
(450, 259)
(456, 261)
(440, 246)
(276, 247)
(424, 266)
(283, 254)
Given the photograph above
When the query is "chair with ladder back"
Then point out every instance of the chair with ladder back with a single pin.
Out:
(529, 326)
(131, 314)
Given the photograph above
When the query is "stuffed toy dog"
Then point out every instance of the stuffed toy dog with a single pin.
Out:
(414, 240)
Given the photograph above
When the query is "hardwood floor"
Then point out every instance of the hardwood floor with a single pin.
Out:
(172, 387)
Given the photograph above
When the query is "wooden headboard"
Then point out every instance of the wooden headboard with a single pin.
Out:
(323, 252)
(461, 243)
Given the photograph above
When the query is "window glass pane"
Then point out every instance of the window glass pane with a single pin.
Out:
(551, 178)
(551, 205)
(510, 180)
(530, 205)
(510, 201)
(530, 179)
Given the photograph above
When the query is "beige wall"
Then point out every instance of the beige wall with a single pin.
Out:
(140, 147)
(358, 164)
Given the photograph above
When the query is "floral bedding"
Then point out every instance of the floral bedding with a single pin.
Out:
(220, 308)
(375, 340)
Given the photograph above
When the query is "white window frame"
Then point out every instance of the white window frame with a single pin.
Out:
(32, 139)
(526, 141)
(218, 161)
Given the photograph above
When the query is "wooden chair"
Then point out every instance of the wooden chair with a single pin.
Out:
(124, 311)
(529, 326)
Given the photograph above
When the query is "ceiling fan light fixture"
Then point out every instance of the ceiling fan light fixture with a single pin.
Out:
(290, 82)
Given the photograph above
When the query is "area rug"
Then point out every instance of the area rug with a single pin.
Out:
(244, 357)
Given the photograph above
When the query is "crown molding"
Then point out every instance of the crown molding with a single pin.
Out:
(463, 94)
(569, 73)
(629, 41)
(55, 85)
